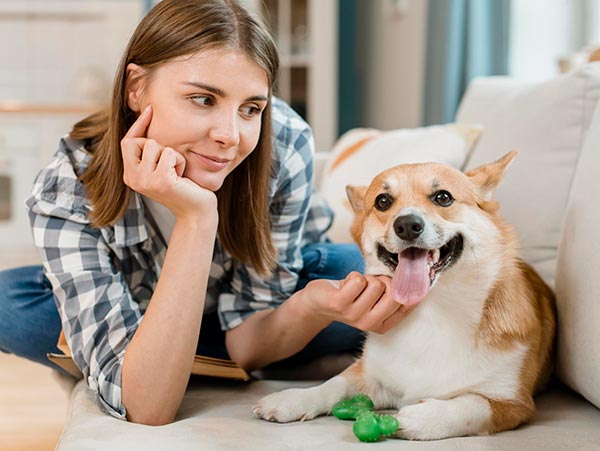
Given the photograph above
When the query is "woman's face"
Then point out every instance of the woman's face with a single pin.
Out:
(208, 107)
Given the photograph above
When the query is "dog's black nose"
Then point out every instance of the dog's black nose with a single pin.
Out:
(409, 227)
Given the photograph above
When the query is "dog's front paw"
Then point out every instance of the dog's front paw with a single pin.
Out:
(289, 405)
(423, 421)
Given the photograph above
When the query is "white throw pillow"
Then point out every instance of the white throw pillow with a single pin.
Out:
(547, 122)
(577, 276)
(360, 154)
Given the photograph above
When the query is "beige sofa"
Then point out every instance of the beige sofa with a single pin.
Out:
(550, 194)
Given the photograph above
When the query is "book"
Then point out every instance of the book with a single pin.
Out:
(202, 366)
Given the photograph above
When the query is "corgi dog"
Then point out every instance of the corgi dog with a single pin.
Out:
(478, 343)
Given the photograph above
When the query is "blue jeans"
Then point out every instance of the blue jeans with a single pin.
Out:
(30, 324)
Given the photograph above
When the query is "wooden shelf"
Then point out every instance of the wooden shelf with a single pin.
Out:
(306, 35)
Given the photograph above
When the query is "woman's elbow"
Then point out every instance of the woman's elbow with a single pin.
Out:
(245, 360)
(249, 365)
(242, 359)
(149, 414)
(151, 418)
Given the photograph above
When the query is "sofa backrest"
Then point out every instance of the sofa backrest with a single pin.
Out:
(578, 275)
(547, 122)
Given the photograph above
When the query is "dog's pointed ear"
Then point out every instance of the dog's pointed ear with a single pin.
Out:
(356, 196)
(489, 176)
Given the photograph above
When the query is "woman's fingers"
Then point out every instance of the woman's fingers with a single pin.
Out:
(170, 160)
(365, 301)
(140, 126)
(179, 164)
(131, 149)
(387, 313)
(386, 305)
(151, 153)
(351, 287)
(134, 140)
(361, 301)
(157, 172)
(374, 309)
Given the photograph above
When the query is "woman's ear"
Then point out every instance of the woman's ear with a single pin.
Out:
(134, 86)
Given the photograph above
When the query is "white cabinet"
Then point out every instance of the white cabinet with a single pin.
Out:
(306, 33)
(28, 139)
(63, 51)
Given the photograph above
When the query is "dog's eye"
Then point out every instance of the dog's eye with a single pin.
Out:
(442, 198)
(383, 202)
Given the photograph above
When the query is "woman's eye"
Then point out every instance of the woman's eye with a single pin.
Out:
(443, 198)
(203, 100)
(250, 110)
(383, 202)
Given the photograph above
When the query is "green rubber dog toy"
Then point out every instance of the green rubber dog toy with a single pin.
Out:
(369, 426)
(349, 409)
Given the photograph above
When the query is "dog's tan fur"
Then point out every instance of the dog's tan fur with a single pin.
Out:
(533, 322)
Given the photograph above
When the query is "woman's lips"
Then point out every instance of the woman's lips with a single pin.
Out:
(210, 162)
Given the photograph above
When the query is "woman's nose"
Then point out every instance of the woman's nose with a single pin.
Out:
(225, 130)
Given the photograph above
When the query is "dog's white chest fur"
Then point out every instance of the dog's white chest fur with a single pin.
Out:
(435, 354)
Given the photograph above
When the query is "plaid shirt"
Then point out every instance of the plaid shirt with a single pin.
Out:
(103, 279)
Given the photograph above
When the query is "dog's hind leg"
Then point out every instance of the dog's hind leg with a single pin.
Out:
(307, 403)
(468, 414)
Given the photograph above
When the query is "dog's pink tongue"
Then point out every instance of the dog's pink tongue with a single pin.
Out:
(410, 283)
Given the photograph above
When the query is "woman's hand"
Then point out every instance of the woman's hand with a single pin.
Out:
(361, 301)
(157, 172)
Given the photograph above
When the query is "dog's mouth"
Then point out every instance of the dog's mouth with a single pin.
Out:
(416, 269)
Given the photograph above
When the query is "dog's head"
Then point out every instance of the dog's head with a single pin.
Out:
(415, 221)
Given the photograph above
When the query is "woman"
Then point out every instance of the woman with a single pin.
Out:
(190, 196)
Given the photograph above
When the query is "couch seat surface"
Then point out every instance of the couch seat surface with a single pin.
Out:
(216, 415)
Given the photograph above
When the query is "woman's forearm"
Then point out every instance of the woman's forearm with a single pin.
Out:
(158, 360)
(272, 335)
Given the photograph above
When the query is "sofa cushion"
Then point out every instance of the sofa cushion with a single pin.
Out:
(360, 154)
(547, 123)
(216, 415)
(577, 276)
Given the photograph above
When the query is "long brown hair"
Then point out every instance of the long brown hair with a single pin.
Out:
(175, 28)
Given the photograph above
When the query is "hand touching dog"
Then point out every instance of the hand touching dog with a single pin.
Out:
(362, 301)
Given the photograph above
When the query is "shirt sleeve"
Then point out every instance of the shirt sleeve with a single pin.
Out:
(98, 314)
(290, 204)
